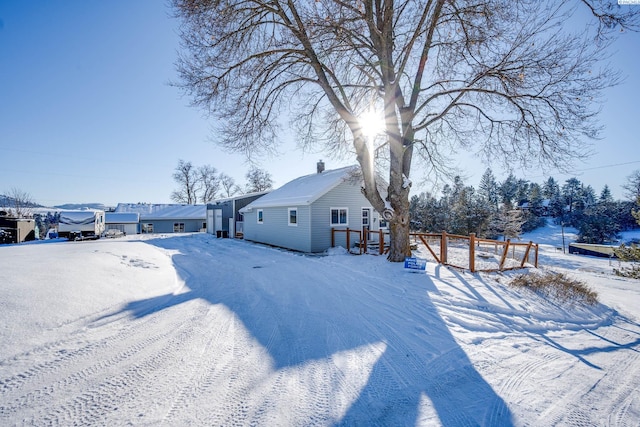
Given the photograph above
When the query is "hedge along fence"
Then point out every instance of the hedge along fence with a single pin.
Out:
(464, 252)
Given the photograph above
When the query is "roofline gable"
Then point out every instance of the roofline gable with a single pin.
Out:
(292, 193)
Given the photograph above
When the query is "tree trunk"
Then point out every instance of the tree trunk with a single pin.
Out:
(399, 229)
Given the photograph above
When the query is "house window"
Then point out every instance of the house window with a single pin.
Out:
(293, 216)
(147, 228)
(260, 216)
(339, 216)
(178, 227)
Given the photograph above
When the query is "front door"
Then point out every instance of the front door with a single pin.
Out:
(366, 221)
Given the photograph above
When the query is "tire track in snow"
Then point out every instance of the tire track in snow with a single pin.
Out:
(139, 352)
(202, 376)
(619, 380)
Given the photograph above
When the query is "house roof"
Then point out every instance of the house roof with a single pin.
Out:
(239, 197)
(149, 211)
(122, 217)
(306, 189)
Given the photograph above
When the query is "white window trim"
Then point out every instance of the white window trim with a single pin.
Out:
(258, 220)
(331, 223)
(289, 223)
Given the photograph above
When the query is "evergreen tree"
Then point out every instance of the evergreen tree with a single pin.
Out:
(605, 195)
(522, 192)
(599, 222)
(534, 215)
(488, 190)
(469, 212)
(598, 225)
(630, 254)
(508, 223)
(513, 225)
(551, 189)
(571, 191)
(508, 191)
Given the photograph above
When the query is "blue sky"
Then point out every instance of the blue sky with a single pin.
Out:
(87, 113)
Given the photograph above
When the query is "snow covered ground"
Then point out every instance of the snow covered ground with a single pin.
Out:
(193, 330)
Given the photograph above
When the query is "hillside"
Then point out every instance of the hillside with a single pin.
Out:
(189, 329)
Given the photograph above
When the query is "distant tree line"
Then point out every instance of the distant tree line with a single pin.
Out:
(508, 208)
(203, 184)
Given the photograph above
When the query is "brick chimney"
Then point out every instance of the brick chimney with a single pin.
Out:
(320, 166)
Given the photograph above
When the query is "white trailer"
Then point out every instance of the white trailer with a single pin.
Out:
(81, 224)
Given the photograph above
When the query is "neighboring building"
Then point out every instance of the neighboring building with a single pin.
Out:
(17, 230)
(300, 214)
(167, 218)
(127, 222)
(545, 206)
(603, 251)
(224, 217)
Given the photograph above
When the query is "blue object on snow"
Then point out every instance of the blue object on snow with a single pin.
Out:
(418, 264)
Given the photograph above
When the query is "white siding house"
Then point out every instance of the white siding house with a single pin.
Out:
(300, 214)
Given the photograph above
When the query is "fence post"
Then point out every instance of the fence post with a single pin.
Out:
(504, 254)
(333, 237)
(381, 242)
(472, 252)
(348, 239)
(526, 254)
(364, 239)
(443, 247)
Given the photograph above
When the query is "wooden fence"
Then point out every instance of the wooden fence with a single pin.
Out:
(465, 252)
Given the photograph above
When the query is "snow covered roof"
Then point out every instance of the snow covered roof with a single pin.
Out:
(149, 211)
(122, 217)
(306, 189)
(239, 197)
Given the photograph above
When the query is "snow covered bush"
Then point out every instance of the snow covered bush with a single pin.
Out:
(629, 254)
(556, 286)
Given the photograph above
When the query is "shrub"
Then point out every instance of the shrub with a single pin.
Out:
(628, 254)
(556, 286)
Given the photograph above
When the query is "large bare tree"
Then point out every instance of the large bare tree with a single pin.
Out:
(188, 180)
(513, 80)
(258, 180)
(21, 202)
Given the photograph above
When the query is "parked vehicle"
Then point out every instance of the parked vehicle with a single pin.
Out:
(113, 233)
(81, 224)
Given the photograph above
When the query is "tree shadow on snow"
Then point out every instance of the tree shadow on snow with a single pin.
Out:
(301, 316)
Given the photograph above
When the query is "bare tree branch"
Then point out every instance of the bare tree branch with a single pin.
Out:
(507, 78)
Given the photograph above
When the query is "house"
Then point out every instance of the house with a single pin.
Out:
(167, 218)
(224, 217)
(545, 206)
(300, 214)
(126, 222)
